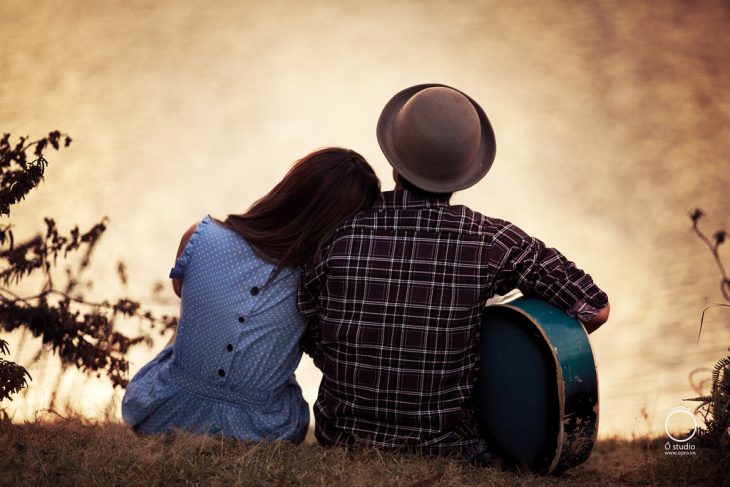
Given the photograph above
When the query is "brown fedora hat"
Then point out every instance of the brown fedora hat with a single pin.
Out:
(436, 137)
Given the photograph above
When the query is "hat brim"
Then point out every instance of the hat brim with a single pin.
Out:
(480, 166)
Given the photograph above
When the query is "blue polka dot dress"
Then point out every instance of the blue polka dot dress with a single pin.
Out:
(231, 367)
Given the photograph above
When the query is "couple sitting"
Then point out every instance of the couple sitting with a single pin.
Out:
(384, 290)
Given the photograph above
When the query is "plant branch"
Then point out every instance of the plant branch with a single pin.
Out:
(720, 236)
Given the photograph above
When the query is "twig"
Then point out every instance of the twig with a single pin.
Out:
(16, 297)
(714, 249)
(702, 318)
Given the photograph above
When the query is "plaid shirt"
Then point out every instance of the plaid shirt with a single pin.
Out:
(394, 306)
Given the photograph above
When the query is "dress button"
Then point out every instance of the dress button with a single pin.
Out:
(254, 291)
(229, 347)
(221, 372)
(241, 319)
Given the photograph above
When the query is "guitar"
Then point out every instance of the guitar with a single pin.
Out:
(537, 390)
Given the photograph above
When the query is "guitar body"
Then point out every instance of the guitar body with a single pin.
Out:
(537, 391)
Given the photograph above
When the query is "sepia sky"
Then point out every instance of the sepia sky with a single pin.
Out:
(611, 121)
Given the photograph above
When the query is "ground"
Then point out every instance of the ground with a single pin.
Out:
(78, 452)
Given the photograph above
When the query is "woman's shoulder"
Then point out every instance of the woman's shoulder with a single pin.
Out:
(194, 230)
(188, 234)
(185, 249)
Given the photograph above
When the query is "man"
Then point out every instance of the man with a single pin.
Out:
(395, 301)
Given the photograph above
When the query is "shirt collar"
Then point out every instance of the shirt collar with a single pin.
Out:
(402, 198)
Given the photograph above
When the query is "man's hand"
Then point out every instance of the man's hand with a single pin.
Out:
(597, 320)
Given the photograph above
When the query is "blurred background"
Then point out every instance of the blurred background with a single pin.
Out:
(611, 120)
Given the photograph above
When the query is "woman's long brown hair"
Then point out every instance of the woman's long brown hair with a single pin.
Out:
(294, 220)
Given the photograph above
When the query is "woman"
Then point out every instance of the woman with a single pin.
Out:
(230, 369)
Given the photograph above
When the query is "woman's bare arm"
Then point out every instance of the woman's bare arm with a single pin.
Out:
(177, 283)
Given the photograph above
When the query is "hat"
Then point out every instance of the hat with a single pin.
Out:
(436, 137)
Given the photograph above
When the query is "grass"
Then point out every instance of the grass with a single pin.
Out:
(80, 452)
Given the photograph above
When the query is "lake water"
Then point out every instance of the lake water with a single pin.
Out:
(611, 120)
